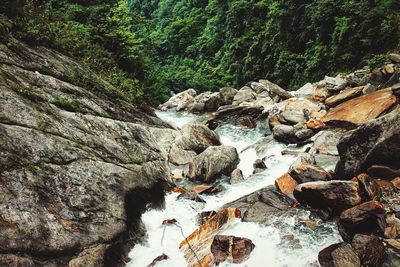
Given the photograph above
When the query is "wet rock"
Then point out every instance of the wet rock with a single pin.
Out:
(361, 109)
(370, 144)
(214, 162)
(169, 221)
(227, 95)
(236, 177)
(158, 259)
(335, 83)
(338, 255)
(201, 239)
(344, 96)
(247, 122)
(259, 164)
(230, 248)
(276, 90)
(338, 195)
(230, 114)
(284, 133)
(366, 218)
(203, 216)
(201, 188)
(191, 195)
(370, 250)
(260, 205)
(245, 94)
(286, 184)
(308, 223)
(180, 101)
(213, 102)
(304, 173)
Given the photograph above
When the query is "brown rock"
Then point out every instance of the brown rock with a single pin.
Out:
(230, 248)
(344, 96)
(334, 194)
(273, 121)
(201, 239)
(339, 255)
(306, 172)
(230, 114)
(366, 218)
(201, 188)
(315, 124)
(396, 182)
(361, 109)
(247, 122)
(383, 172)
(203, 216)
(286, 184)
(191, 195)
(369, 249)
(16, 261)
(390, 232)
(158, 259)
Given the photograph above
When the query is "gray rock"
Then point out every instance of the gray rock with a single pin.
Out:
(275, 89)
(335, 83)
(213, 102)
(258, 87)
(214, 162)
(374, 143)
(306, 91)
(180, 101)
(338, 255)
(191, 195)
(369, 88)
(304, 173)
(227, 95)
(246, 94)
(394, 57)
(236, 177)
(292, 117)
(370, 249)
(284, 133)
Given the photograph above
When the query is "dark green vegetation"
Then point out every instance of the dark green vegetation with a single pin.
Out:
(146, 48)
(207, 44)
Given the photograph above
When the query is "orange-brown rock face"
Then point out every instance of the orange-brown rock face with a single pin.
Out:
(343, 96)
(362, 109)
(315, 124)
(197, 246)
(286, 184)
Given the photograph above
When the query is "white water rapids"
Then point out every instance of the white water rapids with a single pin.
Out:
(281, 243)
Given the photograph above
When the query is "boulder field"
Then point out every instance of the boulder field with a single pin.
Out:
(348, 130)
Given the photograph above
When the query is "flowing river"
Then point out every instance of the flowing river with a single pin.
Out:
(284, 242)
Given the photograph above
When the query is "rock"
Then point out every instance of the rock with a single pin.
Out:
(359, 77)
(169, 222)
(180, 101)
(214, 162)
(369, 249)
(335, 83)
(273, 121)
(390, 232)
(284, 133)
(231, 114)
(361, 109)
(303, 134)
(227, 95)
(304, 173)
(236, 177)
(191, 195)
(259, 164)
(315, 124)
(321, 94)
(344, 96)
(197, 108)
(158, 259)
(203, 216)
(78, 167)
(338, 255)
(260, 205)
(337, 195)
(245, 94)
(291, 117)
(395, 58)
(369, 88)
(197, 137)
(208, 189)
(276, 90)
(286, 184)
(177, 174)
(306, 91)
(396, 183)
(308, 223)
(370, 144)
(247, 122)
(389, 69)
(383, 172)
(201, 239)
(230, 248)
(258, 87)
(213, 102)
(199, 189)
(366, 218)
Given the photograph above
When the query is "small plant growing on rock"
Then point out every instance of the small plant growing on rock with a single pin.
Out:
(136, 159)
(66, 103)
(35, 168)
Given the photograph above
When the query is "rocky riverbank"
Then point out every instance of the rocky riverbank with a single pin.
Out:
(347, 130)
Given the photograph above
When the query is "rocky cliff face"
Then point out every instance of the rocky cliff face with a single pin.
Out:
(77, 167)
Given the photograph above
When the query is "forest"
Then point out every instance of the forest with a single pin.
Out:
(147, 49)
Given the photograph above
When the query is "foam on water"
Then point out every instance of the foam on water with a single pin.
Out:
(270, 249)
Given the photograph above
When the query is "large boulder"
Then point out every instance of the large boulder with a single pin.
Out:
(245, 94)
(361, 109)
(366, 218)
(339, 255)
(337, 195)
(275, 89)
(344, 96)
(213, 102)
(214, 162)
(335, 83)
(370, 249)
(227, 95)
(306, 91)
(305, 172)
(77, 167)
(180, 101)
(373, 143)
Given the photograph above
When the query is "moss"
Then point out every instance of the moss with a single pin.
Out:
(136, 159)
(26, 92)
(66, 103)
(35, 168)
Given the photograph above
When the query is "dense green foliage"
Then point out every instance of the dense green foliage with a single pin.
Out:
(208, 43)
(99, 33)
(147, 48)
